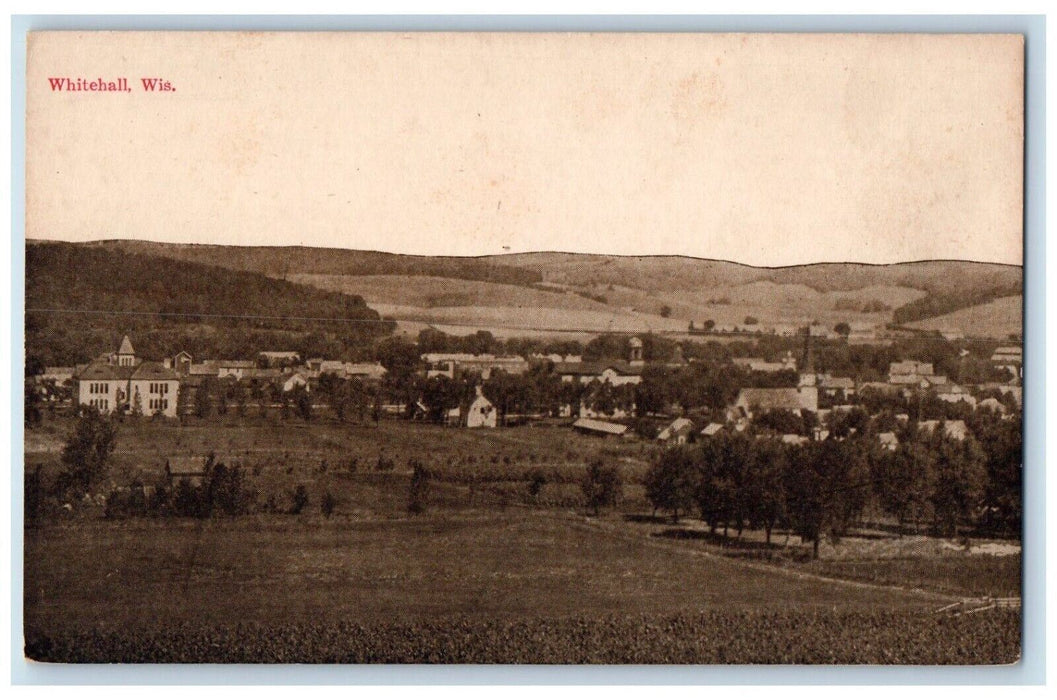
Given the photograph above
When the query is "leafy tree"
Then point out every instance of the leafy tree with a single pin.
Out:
(961, 480)
(721, 464)
(237, 396)
(751, 321)
(1002, 443)
(658, 388)
(87, 451)
(826, 484)
(137, 405)
(666, 311)
(400, 359)
(670, 480)
(780, 420)
(903, 479)
(601, 485)
(509, 392)
(842, 329)
(301, 399)
(764, 485)
(203, 400)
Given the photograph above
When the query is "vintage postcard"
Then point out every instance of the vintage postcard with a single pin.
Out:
(542, 348)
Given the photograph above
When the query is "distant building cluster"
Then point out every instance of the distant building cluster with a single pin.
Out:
(122, 382)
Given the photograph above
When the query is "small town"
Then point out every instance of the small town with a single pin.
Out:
(484, 390)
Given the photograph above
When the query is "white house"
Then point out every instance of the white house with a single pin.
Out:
(678, 432)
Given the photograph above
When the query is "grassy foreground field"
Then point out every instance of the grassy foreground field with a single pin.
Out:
(522, 585)
(488, 574)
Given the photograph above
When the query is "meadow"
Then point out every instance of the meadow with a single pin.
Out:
(490, 572)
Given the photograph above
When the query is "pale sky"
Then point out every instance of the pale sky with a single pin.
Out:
(762, 149)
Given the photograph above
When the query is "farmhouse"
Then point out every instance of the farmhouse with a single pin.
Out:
(234, 368)
(711, 429)
(953, 428)
(952, 393)
(278, 358)
(678, 433)
(993, 404)
(373, 371)
(614, 373)
(448, 363)
(753, 400)
(59, 375)
(189, 469)
(888, 441)
(478, 413)
(1011, 358)
(757, 364)
(912, 372)
(293, 381)
(836, 387)
(803, 398)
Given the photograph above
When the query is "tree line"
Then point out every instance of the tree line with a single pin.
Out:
(822, 488)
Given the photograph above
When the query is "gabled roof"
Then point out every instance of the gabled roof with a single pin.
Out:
(711, 429)
(365, 368)
(97, 371)
(827, 382)
(770, 399)
(577, 368)
(598, 426)
(680, 426)
(236, 364)
(203, 369)
(910, 367)
(126, 347)
(154, 371)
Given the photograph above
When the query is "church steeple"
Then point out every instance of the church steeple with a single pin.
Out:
(808, 362)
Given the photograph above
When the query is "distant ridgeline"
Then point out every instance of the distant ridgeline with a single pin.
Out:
(80, 298)
(279, 262)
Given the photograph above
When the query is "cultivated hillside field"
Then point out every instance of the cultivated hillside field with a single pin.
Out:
(995, 319)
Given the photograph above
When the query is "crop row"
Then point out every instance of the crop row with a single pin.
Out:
(710, 637)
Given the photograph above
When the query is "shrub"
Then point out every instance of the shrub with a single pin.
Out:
(601, 485)
(327, 503)
(299, 499)
(418, 492)
(537, 480)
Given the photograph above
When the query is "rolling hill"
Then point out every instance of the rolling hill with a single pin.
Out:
(80, 301)
(517, 293)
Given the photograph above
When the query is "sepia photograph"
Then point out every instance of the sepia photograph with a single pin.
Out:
(523, 348)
